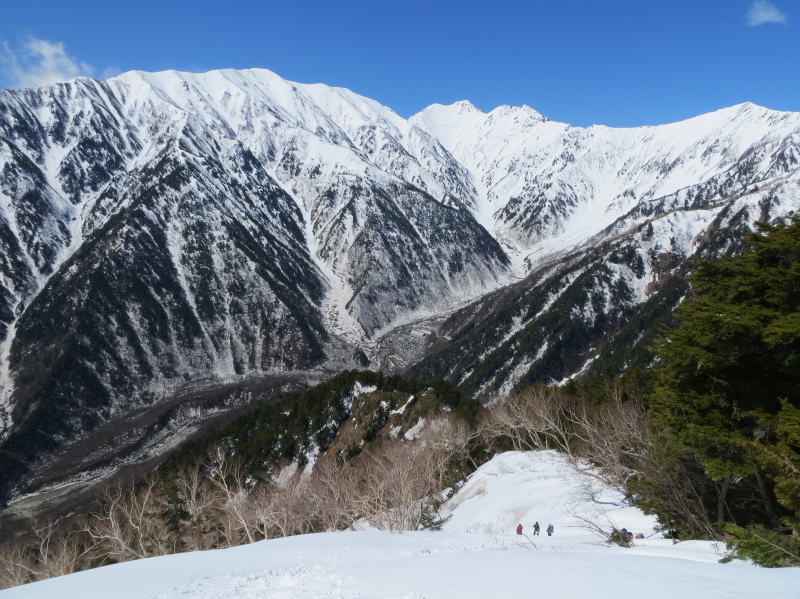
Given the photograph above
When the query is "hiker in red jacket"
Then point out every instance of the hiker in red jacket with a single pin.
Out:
(519, 529)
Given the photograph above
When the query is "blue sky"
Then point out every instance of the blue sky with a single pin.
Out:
(621, 63)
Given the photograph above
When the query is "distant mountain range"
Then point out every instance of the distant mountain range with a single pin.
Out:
(175, 246)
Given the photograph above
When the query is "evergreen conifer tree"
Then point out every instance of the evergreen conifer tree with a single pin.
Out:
(727, 393)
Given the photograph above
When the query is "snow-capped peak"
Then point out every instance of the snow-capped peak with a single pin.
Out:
(519, 113)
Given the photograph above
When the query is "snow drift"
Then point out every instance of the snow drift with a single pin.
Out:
(477, 554)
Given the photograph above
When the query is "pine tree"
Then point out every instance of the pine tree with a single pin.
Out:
(728, 380)
(174, 516)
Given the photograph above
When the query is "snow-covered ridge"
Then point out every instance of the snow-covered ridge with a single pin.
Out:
(162, 228)
(544, 184)
(476, 555)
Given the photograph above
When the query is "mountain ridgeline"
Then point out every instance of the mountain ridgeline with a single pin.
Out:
(175, 247)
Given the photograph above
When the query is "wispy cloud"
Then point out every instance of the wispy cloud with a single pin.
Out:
(762, 12)
(109, 72)
(40, 62)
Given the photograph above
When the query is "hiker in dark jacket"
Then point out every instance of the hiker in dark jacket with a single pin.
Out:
(535, 529)
(550, 530)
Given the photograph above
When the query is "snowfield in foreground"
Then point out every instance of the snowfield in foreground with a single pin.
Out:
(477, 554)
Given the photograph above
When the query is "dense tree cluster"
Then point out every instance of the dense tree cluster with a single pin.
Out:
(726, 399)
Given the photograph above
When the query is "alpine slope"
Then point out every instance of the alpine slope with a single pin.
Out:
(175, 246)
(476, 555)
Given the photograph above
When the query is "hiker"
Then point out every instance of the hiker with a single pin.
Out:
(536, 529)
(550, 530)
(519, 529)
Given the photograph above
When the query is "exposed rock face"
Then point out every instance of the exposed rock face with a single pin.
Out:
(165, 231)
(605, 221)
(160, 229)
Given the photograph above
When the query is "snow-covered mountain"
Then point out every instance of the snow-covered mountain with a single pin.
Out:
(547, 186)
(162, 229)
(603, 221)
(163, 234)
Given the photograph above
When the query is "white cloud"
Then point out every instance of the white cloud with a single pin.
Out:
(762, 12)
(109, 72)
(40, 62)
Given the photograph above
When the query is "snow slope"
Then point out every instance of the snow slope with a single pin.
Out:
(523, 487)
(476, 555)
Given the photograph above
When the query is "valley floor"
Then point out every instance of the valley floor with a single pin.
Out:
(476, 554)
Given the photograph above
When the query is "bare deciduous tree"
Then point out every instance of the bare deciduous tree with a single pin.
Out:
(17, 565)
(281, 511)
(538, 417)
(332, 494)
(59, 551)
(127, 527)
(615, 439)
(227, 475)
